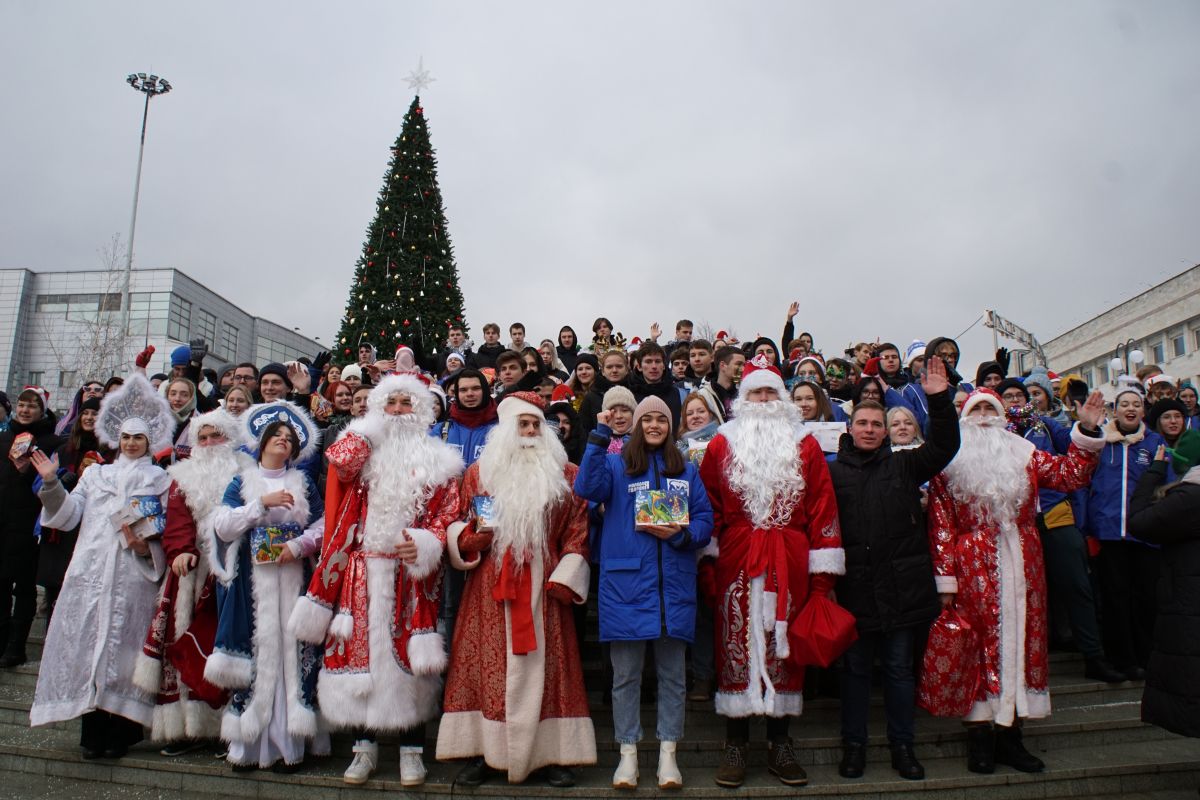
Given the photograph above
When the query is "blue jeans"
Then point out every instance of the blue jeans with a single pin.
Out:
(895, 650)
(670, 663)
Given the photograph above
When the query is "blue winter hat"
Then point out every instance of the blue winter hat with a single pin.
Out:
(1039, 376)
(181, 355)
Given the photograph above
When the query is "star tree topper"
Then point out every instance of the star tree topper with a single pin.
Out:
(419, 78)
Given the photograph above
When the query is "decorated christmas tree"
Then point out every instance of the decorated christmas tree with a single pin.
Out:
(405, 288)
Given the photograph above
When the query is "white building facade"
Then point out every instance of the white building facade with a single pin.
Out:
(1163, 323)
(58, 329)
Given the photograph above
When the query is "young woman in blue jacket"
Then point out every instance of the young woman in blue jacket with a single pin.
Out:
(1127, 567)
(647, 577)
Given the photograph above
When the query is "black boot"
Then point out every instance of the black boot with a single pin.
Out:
(981, 749)
(854, 760)
(1011, 750)
(14, 650)
(1098, 669)
(904, 761)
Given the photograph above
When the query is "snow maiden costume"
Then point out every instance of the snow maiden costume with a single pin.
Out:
(181, 634)
(375, 614)
(273, 676)
(109, 592)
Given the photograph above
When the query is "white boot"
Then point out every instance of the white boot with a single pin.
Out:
(412, 767)
(668, 770)
(626, 776)
(366, 758)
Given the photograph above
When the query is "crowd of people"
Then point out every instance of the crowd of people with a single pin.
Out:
(263, 554)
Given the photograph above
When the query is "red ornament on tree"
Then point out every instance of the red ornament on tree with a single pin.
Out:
(407, 323)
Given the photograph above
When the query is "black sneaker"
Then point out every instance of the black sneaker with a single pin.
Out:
(782, 763)
(181, 748)
(474, 773)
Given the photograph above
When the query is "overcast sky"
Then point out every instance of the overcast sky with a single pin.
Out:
(896, 167)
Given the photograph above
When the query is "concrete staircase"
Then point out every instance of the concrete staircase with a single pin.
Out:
(1094, 745)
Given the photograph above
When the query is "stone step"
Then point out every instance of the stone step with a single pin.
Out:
(1121, 769)
(817, 734)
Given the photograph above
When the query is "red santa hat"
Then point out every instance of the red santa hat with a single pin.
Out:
(721, 335)
(517, 403)
(562, 392)
(759, 374)
(983, 396)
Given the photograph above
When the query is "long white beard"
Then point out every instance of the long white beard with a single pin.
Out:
(401, 474)
(764, 469)
(989, 471)
(204, 475)
(525, 478)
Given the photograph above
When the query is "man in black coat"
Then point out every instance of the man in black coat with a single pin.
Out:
(655, 380)
(888, 584)
(19, 509)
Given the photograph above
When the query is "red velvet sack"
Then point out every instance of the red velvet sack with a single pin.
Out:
(950, 673)
(821, 632)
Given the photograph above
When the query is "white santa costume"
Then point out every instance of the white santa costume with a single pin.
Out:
(109, 592)
(389, 482)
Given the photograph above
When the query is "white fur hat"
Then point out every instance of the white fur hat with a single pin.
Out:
(983, 396)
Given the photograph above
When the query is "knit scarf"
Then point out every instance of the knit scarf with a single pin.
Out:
(473, 417)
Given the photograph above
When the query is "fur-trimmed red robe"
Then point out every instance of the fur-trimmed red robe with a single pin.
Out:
(999, 579)
(181, 634)
(763, 580)
(523, 711)
(377, 615)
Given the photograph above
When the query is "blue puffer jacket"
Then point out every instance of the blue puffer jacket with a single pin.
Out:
(647, 585)
(1122, 463)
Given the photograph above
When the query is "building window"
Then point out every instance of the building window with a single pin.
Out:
(179, 319)
(1102, 371)
(1178, 345)
(148, 313)
(1160, 354)
(229, 340)
(110, 301)
(36, 378)
(206, 328)
(68, 377)
(77, 303)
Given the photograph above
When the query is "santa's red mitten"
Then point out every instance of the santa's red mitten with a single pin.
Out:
(822, 583)
(561, 593)
(471, 541)
(872, 366)
(706, 581)
(143, 358)
(1093, 546)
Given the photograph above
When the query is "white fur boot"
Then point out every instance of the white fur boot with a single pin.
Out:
(366, 758)
(626, 776)
(412, 767)
(668, 770)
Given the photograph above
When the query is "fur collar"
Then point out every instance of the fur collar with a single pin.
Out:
(1113, 435)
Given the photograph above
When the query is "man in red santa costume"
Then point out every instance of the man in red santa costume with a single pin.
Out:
(515, 699)
(987, 559)
(775, 516)
(392, 490)
(181, 634)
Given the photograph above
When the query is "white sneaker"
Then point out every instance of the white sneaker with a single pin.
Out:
(412, 767)
(626, 776)
(366, 758)
(668, 770)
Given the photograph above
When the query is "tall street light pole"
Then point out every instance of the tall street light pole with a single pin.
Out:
(151, 86)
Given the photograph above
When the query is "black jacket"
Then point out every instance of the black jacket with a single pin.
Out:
(486, 355)
(1172, 696)
(19, 506)
(664, 389)
(889, 571)
(593, 402)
